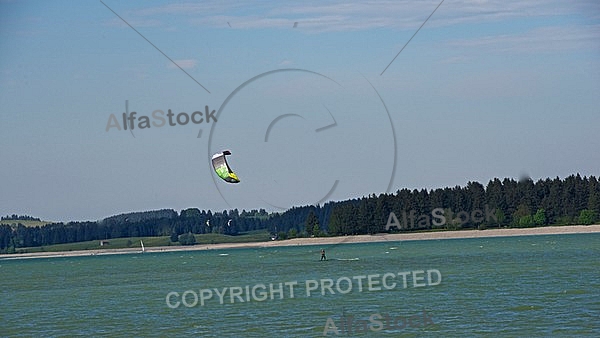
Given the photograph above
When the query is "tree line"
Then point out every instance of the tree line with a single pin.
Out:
(501, 203)
(166, 222)
(504, 203)
(15, 217)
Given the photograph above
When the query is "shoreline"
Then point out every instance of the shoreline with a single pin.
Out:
(384, 237)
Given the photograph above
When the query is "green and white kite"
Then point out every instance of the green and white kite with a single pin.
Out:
(222, 168)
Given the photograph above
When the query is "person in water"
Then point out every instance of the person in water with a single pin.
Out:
(323, 255)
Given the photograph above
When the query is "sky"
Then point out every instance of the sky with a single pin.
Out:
(308, 96)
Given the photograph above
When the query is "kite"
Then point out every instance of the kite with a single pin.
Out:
(222, 168)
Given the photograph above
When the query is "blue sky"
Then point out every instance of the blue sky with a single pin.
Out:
(485, 89)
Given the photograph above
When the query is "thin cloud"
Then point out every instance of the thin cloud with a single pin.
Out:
(185, 64)
(544, 39)
(455, 60)
(353, 16)
(257, 22)
(135, 22)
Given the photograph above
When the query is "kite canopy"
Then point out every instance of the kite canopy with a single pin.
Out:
(222, 168)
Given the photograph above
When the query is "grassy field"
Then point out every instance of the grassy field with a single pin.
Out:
(134, 242)
(25, 223)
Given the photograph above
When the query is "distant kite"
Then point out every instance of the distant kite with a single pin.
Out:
(222, 168)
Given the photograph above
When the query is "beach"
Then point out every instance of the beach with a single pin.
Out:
(434, 235)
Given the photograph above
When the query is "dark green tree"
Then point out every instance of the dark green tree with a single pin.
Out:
(526, 221)
(336, 226)
(540, 217)
(312, 225)
(293, 233)
(187, 239)
(587, 217)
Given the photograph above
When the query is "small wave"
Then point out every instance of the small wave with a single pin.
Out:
(526, 308)
(347, 259)
(223, 254)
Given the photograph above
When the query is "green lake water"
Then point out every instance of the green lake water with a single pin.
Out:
(537, 286)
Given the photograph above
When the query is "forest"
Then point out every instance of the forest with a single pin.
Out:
(501, 203)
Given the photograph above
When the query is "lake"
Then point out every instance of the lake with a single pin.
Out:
(538, 286)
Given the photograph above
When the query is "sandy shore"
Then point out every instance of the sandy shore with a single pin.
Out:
(553, 230)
